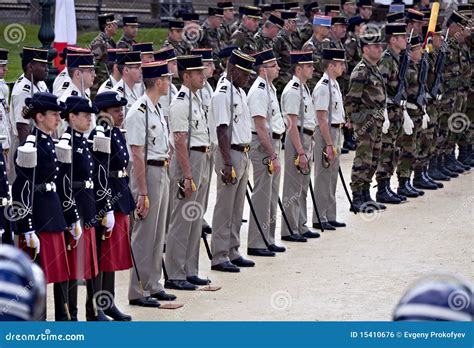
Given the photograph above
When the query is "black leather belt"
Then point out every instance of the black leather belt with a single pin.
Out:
(157, 163)
(241, 148)
(201, 148)
(275, 136)
(87, 184)
(306, 131)
(118, 174)
(46, 187)
(337, 125)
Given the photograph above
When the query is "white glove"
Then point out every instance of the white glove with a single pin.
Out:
(386, 122)
(2, 231)
(109, 221)
(408, 124)
(426, 120)
(32, 240)
(76, 230)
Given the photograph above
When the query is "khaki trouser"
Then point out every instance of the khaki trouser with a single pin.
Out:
(325, 179)
(148, 235)
(229, 208)
(295, 188)
(264, 196)
(211, 170)
(184, 233)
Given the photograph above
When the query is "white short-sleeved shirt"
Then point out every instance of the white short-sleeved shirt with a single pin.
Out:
(131, 94)
(5, 126)
(107, 85)
(290, 103)
(180, 121)
(61, 82)
(260, 105)
(158, 140)
(165, 101)
(220, 106)
(321, 99)
(73, 90)
(206, 96)
(21, 91)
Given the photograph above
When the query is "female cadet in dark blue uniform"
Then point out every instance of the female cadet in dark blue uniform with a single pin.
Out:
(92, 197)
(5, 224)
(115, 254)
(38, 209)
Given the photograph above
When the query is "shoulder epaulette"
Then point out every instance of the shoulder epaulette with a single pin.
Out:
(223, 89)
(181, 95)
(65, 85)
(120, 89)
(108, 84)
(296, 85)
(261, 85)
(142, 107)
(325, 81)
(26, 88)
(74, 93)
(62, 73)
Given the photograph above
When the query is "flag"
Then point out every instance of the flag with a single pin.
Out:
(65, 30)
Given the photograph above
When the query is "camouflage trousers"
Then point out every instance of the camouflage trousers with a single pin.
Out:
(408, 146)
(368, 137)
(390, 150)
(467, 136)
(446, 111)
(426, 143)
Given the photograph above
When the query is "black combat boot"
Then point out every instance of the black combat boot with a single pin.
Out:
(444, 169)
(420, 182)
(358, 203)
(370, 202)
(430, 179)
(405, 189)
(434, 172)
(384, 195)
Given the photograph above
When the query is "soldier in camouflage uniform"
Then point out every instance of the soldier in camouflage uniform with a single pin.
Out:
(365, 102)
(243, 37)
(175, 38)
(130, 31)
(349, 8)
(213, 37)
(315, 44)
(410, 142)
(389, 67)
(353, 50)
(103, 41)
(450, 109)
(229, 25)
(271, 28)
(310, 10)
(283, 44)
(365, 9)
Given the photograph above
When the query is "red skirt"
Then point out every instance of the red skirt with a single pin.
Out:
(83, 256)
(115, 250)
(53, 255)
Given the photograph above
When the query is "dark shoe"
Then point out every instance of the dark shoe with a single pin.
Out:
(434, 172)
(99, 317)
(145, 302)
(309, 234)
(296, 237)
(428, 178)
(344, 150)
(276, 248)
(384, 194)
(402, 198)
(206, 229)
(241, 262)
(451, 164)
(226, 267)
(163, 296)
(368, 201)
(337, 224)
(325, 226)
(116, 314)
(420, 192)
(259, 252)
(444, 169)
(404, 189)
(420, 182)
(179, 284)
(198, 281)
(358, 204)
(460, 164)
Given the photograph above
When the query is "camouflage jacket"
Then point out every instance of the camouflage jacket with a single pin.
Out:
(212, 38)
(306, 31)
(126, 42)
(283, 44)
(412, 86)
(466, 66)
(366, 89)
(389, 66)
(244, 39)
(227, 30)
(317, 48)
(452, 67)
(353, 51)
(182, 48)
(262, 42)
(100, 45)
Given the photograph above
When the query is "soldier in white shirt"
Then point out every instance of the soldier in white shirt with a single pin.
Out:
(81, 70)
(146, 51)
(4, 108)
(206, 95)
(232, 118)
(130, 86)
(114, 73)
(34, 62)
(268, 127)
(150, 186)
(297, 107)
(168, 55)
(190, 177)
(63, 80)
(327, 99)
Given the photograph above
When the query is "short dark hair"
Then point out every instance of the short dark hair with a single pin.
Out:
(150, 82)
(71, 71)
(120, 68)
(181, 75)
